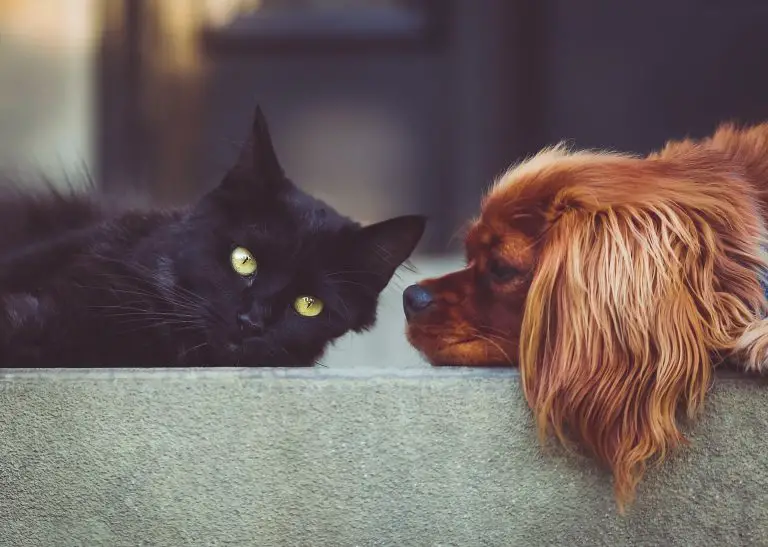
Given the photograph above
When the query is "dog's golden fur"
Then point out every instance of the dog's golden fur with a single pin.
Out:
(634, 278)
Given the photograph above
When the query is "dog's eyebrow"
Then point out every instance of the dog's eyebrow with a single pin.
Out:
(520, 215)
(480, 238)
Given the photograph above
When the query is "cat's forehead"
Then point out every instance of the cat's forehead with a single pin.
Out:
(296, 229)
(309, 236)
(315, 214)
(299, 224)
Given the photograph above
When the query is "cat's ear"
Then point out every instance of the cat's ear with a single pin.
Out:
(382, 247)
(257, 170)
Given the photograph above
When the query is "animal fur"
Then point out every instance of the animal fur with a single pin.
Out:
(631, 280)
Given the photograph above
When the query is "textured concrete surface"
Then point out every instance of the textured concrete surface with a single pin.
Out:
(331, 457)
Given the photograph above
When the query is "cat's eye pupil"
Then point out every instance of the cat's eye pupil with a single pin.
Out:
(308, 306)
(243, 262)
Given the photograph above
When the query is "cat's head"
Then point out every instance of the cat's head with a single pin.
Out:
(283, 274)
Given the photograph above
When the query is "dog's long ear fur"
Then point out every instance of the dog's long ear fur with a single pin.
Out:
(632, 299)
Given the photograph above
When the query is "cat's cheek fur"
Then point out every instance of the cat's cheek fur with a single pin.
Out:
(165, 274)
(23, 309)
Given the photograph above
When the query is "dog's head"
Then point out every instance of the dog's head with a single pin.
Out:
(611, 280)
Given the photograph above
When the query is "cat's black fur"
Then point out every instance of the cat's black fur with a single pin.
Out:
(83, 285)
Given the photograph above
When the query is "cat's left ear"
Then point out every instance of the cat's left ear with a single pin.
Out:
(257, 170)
(382, 247)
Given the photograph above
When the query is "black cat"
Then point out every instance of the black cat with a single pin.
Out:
(256, 273)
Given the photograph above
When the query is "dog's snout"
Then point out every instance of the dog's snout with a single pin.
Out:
(415, 300)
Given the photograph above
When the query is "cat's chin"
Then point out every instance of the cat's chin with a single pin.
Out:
(257, 352)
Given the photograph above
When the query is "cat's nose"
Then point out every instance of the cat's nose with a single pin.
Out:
(416, 299)
(250, 324)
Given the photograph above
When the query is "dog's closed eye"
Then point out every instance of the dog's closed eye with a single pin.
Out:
(502, 272)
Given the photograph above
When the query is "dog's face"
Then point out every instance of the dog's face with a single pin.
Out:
(473, 316)
(567, 234)
(611, 281)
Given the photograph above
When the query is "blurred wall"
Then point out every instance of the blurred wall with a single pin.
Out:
(390, 123)
(47, 62)
(631, 75)
(381, 107)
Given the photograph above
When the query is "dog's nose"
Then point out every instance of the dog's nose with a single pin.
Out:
(416, 299)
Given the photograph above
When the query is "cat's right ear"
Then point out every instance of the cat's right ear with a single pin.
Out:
(381, 248)
(257, 171)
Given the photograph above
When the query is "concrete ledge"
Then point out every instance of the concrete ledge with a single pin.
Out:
(347, 457)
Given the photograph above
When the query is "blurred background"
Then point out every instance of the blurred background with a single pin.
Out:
(380, 107)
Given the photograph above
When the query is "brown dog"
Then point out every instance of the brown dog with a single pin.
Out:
(617, 283)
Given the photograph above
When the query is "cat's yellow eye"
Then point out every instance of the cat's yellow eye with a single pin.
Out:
(243, 262)
(308, 306)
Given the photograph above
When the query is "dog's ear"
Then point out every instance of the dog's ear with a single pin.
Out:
(626, 307)
(747, 146)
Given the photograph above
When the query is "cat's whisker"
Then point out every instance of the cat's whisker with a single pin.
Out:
(177, 301)
(410, 266)
(169, 296)
(127, 311)
(187, 351)
(153, 319)
(366, 289)
(351, 272)
(176, 328)
(159, 320)
(347, 311)
(140, 268)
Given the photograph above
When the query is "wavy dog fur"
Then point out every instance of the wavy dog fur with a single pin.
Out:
(639, 276)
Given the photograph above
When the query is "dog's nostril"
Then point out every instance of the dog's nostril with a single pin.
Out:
(416, 299)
